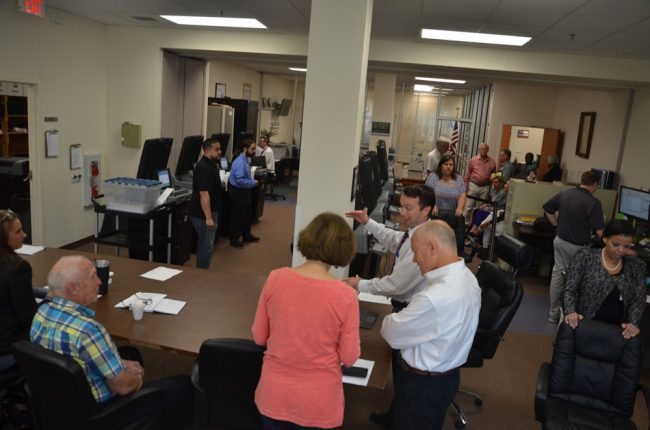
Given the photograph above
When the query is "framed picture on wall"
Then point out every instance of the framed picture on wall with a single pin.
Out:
(585, 133)
(246, 91)
(219, 90)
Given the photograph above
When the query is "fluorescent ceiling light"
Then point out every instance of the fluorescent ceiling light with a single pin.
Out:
(423, 88)
(212, 21)
(463, 36)
(298, 69)
(448, 81)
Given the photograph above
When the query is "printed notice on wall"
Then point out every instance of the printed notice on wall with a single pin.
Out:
(51, 143)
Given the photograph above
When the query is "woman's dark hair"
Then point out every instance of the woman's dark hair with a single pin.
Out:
(7, 218)
(327, 238)
(443, 160)
(529, 158)
(618, 227)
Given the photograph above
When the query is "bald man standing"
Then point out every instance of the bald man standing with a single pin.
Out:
(434, 332)
(477, 179)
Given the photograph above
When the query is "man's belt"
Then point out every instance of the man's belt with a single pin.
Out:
(410, 369)
(478, 185)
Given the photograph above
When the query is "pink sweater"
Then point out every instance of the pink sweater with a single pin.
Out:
(309, 327)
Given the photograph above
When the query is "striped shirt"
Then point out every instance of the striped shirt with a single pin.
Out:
(67, 327)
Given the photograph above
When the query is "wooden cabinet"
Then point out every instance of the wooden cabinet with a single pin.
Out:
(14, 138)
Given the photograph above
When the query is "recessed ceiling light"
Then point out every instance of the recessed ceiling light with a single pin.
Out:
(298, 69)
(212, 21)
(449, 81)
(463, 36)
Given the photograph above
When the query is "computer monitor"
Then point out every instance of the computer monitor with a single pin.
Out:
(376, 175)
(189, 155)
(383, 160)
(165, 178)
(259, 161)
(285, 107)
(633, 202)
(368, 190)
(224, 163)
(155, 154)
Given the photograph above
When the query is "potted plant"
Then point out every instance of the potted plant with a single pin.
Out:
(268, 134)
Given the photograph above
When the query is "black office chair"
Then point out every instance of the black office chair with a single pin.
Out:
(501, 294)
(9, 379)
(592, 380)
(60, 397)
(226, 376)
(272, 180)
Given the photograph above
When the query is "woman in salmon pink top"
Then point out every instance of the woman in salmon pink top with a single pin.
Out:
(309, 322)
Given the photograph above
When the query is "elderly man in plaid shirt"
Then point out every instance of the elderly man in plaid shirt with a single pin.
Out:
(65, 325)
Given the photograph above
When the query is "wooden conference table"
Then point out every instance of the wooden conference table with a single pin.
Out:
(218, 305)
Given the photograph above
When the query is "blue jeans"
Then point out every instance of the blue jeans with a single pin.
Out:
(205, 243)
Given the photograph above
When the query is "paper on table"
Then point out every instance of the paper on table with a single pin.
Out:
(154, 298)
(161, 273)
(367, 297)
(29, 249)
(354, 380)
(169, 306)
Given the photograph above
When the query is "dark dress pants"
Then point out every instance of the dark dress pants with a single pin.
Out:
(421, 401)
(457, 223)
(241, 207)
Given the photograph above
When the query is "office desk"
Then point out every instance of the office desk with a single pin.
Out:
(218, 305)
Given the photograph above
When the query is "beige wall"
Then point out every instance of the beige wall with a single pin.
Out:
(69, 86)
(610, 108)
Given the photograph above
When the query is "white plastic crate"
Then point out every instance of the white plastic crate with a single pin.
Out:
(131, 195)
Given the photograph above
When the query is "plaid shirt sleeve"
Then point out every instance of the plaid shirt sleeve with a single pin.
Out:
(100, 354)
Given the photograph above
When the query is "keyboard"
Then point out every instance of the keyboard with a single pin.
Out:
(367, 319)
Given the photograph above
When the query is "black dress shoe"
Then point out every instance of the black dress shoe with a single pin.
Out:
(237, 244)
(384, 419)
(251, 238)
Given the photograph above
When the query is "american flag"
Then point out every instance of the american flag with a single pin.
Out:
(455, 137)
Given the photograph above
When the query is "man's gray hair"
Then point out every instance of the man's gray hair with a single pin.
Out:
(65, 271)
(443, 140)
(444, 234)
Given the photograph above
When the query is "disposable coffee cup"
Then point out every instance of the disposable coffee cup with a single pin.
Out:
(103, 272)
(137, 307)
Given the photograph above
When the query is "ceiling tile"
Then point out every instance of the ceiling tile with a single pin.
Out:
(577, 22)
(610, 8)
(396, 10)
(513, 30)
(524, 18)
(555, 6)
(386, 27)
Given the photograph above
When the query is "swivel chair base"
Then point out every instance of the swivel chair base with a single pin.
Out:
(461, 420)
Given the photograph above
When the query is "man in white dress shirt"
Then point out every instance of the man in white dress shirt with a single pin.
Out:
(263, 149)
(405, 280)
(416, 203)
(434, 332)
(433, 157)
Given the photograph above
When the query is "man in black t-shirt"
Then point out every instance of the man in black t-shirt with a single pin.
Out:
(576, 213)
(206, 195)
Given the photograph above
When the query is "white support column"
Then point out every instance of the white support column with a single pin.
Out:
(337, 60)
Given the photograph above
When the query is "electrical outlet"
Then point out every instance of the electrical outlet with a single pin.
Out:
(75, 179)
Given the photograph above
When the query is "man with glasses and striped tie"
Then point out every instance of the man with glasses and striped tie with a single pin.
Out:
(405, 280)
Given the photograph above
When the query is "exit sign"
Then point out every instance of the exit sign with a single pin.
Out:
(32, 7)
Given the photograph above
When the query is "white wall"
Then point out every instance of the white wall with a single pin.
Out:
(277, 88)
(67, 65)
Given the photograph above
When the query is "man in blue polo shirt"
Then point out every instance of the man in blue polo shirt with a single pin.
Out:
(240, 185)
(65, 325)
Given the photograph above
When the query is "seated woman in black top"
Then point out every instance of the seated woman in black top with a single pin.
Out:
(17, 304)
(607, 284)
